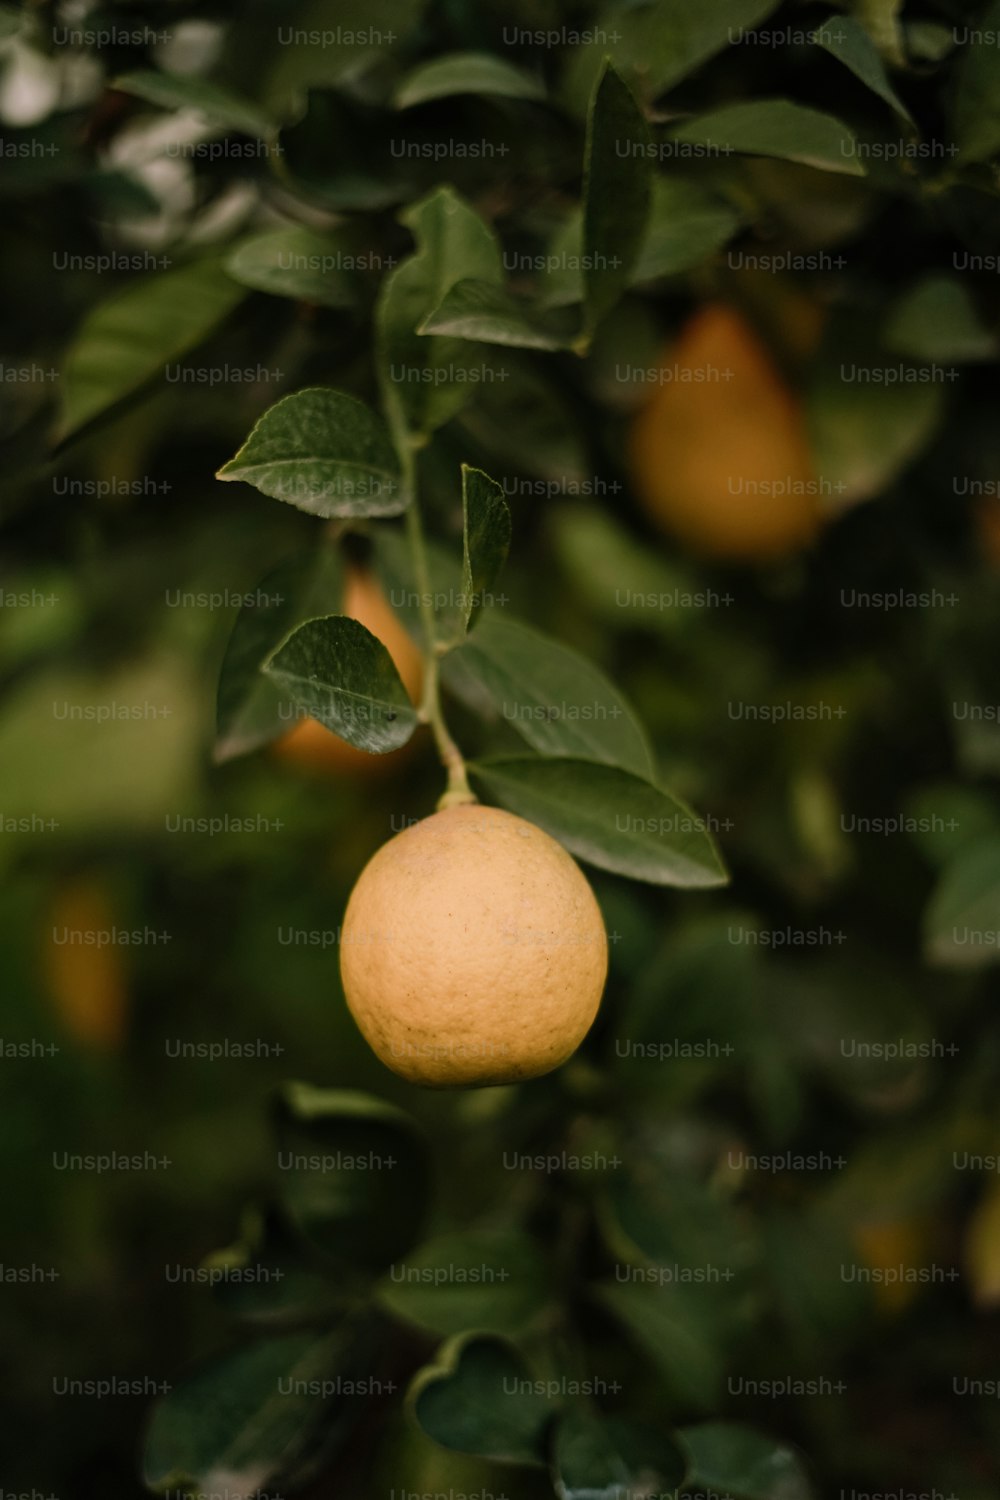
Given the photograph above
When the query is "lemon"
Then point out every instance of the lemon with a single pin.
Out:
(473, 950)
(310, 746)
(719, 455)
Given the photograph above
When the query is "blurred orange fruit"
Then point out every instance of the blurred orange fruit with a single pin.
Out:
(987, 525)
(719, 455)
(896, 1252)
(310, 746)
(82, 965)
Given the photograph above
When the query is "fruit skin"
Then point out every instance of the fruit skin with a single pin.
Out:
(473, 950)
(700, 438)
(310, 746)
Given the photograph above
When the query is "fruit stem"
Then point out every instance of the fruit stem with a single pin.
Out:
(430, 710)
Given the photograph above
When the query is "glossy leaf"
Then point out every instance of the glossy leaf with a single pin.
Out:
(251, 709)
(617, 192)
(555, 699)
(124, 342)
(607, 817)
(300, 263)
(726, 1457)
(493, 1281)
(323, 452)
(344, 677)
(466, 73)
(486, 532)
(599, 1458)
(489, 314)
(775, 127)
(849, 42)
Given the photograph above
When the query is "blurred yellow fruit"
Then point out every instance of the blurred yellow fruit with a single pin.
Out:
(982, 1249)
(473, 950)
(82, 965)
(719, 455)
(312, 747)
(896, 1253)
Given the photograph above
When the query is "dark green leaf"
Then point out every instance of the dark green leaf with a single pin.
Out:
(962, 924)
(264, 1279)
(851, 44)
(300, 263)
(937, 320)
(353, 1173)
(480, 1398)
(776, 127)
(344, 677)
(486, 533)
(687, 224)
(488, 314)
(608, 818)
(680, 1335)
(726, 1457)
(493, 1281)
(596, 1458)
(250, 708)
(323, 452)
(976, 109)
(617, 190)
(253, 1418)
(180, 91)
(127, 340)
(394, 565)
(425, 380)
(557, 700)
(466, 73)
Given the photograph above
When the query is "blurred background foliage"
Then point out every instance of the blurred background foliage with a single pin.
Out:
(708, 1048)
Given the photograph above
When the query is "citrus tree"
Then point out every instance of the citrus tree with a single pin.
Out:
(446, 444)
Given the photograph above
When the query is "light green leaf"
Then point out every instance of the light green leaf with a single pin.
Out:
(617, 190)
(938, 320)
(776, 127)
(127, 340)
(976, 108)
(726, 1457)
(344, 677)
(479, 1397)
(608, 818)
(849, 42)
(218, 104)
(228, 1429)
(486, 532)
(353, 1173)
(323, 452)
(489, 314)
(466, 73)
(425, 381)
(556, 699)
(300, 263)
(493, 1281)
(249, 705)
(962, 922)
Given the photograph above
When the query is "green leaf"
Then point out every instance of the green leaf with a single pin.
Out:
(466, 73)
(679, 1335)
(11, 22)
(776, 127)
(323, 452)
(486, 539)
(687, 224)
(249, 710)
(480, 1398)
(425, 381)
(394, 565)
(849, 42)
(493, 1281)
(264, 1280)
(124, 342)
(353, 1172)
(727, 1457)
(976, 108)
(962, 923)
(617, 190)
(254, 1417)
(179, 91)
(608, 818)
(880, 18)
(300, 263)
(489, 314)
(345, 678)
(937, 320)
(864, 434)
(557, 700)
(595, 1458)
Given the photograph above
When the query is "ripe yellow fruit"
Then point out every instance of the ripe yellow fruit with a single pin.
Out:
(719, 454)
(83, 968)
(310, 746)
(473, 950)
